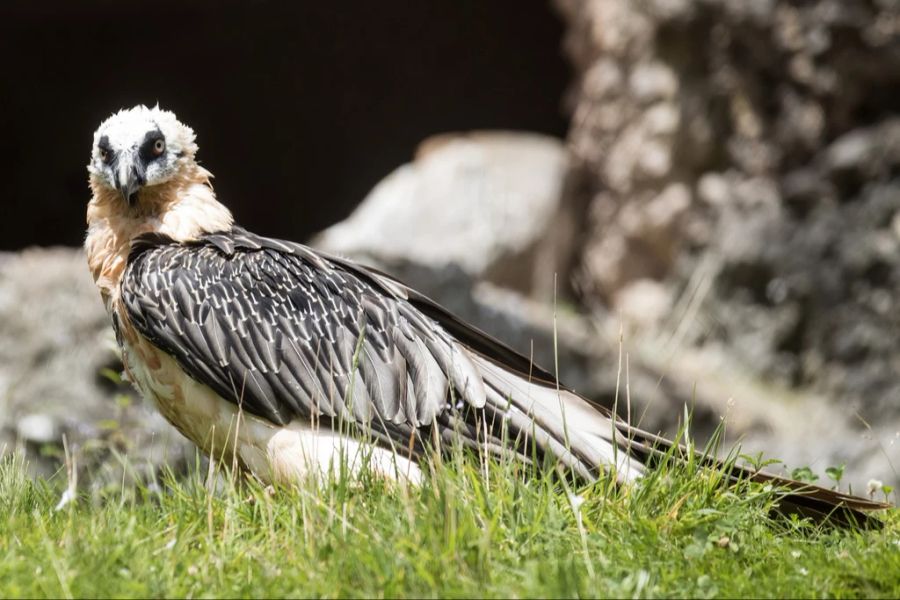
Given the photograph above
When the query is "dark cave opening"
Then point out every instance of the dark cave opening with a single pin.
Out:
(299, 108)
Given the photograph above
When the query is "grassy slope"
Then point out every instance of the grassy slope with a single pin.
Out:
(674, 534)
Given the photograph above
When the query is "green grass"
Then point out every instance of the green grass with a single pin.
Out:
(676, 533)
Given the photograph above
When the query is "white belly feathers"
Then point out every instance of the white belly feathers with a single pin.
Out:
(285, 454)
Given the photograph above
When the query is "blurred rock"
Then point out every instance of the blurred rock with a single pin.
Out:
(488, 203)
(743, 159)
(38, 429)
(643, 304)
(55, 344)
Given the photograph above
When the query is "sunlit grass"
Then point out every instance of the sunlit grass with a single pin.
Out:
(462, 533)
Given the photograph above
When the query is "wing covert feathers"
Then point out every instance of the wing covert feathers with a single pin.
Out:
(293, 334)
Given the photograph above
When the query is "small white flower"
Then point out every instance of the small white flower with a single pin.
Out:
(874, 486)
(796, 553)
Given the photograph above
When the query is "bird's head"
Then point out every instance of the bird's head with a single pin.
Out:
(139, 148)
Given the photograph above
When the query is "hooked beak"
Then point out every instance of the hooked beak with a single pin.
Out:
(130, 178)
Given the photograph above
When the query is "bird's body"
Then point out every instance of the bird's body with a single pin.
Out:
(290, 361)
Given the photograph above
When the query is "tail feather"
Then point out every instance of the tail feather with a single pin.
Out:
(570, 427)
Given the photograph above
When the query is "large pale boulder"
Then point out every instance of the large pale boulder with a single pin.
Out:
(487, 202)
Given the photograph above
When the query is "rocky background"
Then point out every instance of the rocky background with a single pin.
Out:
(739, 162)
(60, 390)
(720, 230)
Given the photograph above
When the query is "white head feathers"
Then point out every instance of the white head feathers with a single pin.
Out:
(140, 147)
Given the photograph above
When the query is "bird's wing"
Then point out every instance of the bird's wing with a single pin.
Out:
(289, 334)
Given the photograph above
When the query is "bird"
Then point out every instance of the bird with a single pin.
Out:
(291, 361)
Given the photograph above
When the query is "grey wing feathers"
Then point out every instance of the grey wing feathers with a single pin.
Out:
(285, 333)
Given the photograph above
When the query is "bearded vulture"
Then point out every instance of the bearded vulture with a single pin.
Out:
(290, 361)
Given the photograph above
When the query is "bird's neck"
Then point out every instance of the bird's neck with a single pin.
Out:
(183, 209)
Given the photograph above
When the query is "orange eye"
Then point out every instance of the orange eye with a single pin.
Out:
(159, 146)
(103, 154)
